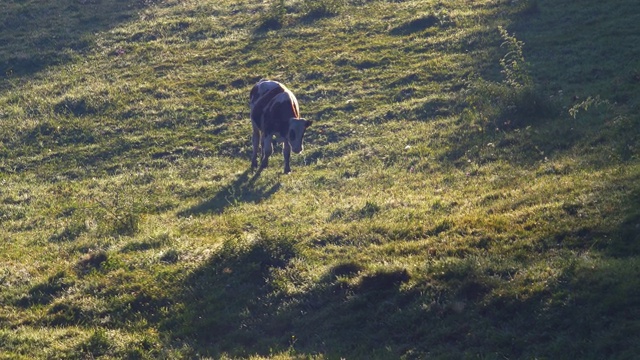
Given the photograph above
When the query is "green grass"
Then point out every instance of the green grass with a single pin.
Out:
(469, 187)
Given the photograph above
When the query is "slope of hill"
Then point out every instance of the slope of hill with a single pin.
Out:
(469, 188)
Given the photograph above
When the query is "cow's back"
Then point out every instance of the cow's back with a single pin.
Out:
(272, 105)
(262, 88)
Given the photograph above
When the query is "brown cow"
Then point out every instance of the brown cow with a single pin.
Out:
(274, 111)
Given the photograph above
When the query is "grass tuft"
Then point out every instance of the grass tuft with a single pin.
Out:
(315, 10)
(274, 16)
(91, 261)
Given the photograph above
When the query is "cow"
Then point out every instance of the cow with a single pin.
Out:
(275, 111)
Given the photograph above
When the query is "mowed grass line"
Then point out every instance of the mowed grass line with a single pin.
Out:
(430, 215)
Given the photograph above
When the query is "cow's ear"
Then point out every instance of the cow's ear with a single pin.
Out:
(308, 123)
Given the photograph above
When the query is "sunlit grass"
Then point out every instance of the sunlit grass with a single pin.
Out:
(435, 211)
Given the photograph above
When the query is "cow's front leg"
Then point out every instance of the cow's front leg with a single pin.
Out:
(255, 139)
(286, 151)
(267, 150)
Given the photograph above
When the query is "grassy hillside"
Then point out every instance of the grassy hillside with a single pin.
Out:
(469, 187)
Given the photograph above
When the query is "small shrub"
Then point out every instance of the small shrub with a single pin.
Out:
(514, 67)
(170, 256)
(515, 100)
(120, 215)
(369, 209)
(91, 261)
(587, 104)
(125, 224)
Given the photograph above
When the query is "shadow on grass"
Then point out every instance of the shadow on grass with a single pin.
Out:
(590, 311)
(34, 37)
(626, 241)
(233, 305)
(557, 86)
(237, 304)
(241, 190)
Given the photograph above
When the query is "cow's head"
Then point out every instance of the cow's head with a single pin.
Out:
(297, 126)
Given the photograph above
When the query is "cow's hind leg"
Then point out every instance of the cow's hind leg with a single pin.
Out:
(267, 150)
(255, 139)
(286, 151)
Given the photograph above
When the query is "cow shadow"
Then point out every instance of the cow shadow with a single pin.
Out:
(243, 189)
